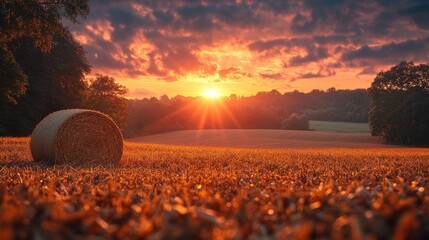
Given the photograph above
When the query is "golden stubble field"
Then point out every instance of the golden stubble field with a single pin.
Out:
(178, 192)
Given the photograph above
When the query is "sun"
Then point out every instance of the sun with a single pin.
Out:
(211, 93)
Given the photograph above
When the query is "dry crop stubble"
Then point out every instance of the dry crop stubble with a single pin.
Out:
(201, 192)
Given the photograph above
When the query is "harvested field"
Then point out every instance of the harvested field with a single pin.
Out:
(341, 127)
(180, 192)
(264, 138)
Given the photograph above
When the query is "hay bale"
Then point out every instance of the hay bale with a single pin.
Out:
(76, 136)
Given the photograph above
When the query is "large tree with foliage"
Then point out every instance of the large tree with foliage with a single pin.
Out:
(105, 95)
(55, 81)
(37, 20)
(400, 103)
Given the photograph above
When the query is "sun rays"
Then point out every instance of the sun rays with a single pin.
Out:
(202, 113)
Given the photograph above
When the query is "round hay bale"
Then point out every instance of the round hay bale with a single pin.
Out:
(76, 136)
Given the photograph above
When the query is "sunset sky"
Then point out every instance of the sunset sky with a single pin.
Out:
(243, 47)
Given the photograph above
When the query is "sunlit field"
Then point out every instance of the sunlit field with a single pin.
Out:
(180, 192)
(340, 127)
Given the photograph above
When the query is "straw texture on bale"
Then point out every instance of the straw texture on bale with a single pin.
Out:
(76, 136)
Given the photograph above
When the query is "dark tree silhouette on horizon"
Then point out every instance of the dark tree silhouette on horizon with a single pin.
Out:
(296, 122)
(400, 104)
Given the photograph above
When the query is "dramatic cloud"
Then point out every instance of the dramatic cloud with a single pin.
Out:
(415, 50)
(253, 42)
(233, 73)
(323, 72)
(368, 71)
(273, 76)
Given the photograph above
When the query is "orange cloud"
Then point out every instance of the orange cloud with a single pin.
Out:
(251, 46)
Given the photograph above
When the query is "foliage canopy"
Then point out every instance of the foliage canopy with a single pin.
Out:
(400, 103)
(55, 81)
(37, 20)
(296, 122)
(105, 95)
(13, 81)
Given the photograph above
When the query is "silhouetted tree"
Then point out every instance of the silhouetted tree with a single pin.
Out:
(37, 20)
(400, 103)
(55, 81)
(107, 96)
(296, 122)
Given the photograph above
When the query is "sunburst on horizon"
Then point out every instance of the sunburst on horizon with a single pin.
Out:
(211, 93)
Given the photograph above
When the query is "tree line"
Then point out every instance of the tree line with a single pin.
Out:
(263, 110)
